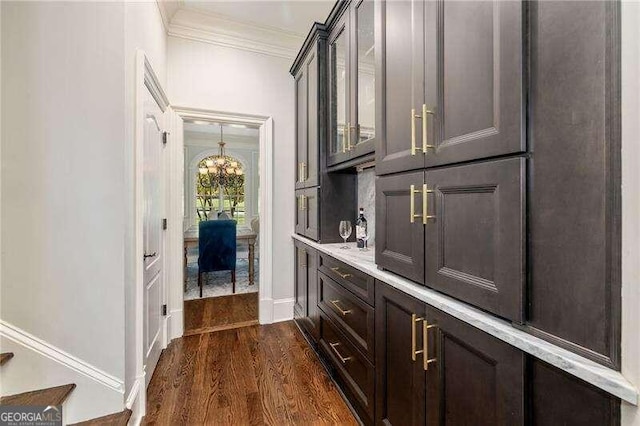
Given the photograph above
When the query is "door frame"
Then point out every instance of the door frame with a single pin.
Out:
(265, 275)
(146, 80)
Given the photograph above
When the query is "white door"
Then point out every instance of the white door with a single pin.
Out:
(152, 233)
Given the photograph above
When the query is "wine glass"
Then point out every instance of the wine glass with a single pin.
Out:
(365, 237)
(345, 232)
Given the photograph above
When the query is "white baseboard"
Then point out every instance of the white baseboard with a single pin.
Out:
(43, 348)
(134, 402)
(283, 310)
(38, 364)
(265, 311)
(176, 323)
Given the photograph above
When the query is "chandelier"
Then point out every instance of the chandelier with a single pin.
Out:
(219, 170)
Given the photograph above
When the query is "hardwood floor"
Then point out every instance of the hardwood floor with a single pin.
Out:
(246, 376)
(220, 313)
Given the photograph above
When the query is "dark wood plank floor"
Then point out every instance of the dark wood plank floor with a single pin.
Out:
(220, 313)
(246, 376)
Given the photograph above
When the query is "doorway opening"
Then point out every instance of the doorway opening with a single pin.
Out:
(225, 270)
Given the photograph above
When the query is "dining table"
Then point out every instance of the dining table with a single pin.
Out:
(243, 236)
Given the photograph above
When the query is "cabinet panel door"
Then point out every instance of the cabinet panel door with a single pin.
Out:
(300, 293)
(399, 83)
(399, 242)
(339, 130)
(310, 209)
(400, 380)
(311, 160)
(301, 126)
(575, 175)
(560, 399)
(475, 240)
(474, 378)
(363, 78)
(474, 69)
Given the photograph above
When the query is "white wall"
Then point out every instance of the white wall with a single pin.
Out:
(224, 79)
(143, 30)
(244, 148)
(63, 109)
(631, 203)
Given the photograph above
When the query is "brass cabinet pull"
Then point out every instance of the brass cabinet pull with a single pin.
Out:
(303, 258)
(337, 271)
(414, 352)
(425, 345)
(412, 202)
(303, 175)
(349, 127)
(425, 143)
(304, 202)
(413, 130)
(425, 215)
(299, 172)
(340, 357)
(342, 311)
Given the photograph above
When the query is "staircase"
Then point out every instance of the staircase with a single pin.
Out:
(56, 396)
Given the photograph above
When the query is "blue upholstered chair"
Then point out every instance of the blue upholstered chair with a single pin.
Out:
(217, 249)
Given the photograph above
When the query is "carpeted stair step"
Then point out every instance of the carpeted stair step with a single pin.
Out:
(5, 357)
(50, 396)
(116, 419)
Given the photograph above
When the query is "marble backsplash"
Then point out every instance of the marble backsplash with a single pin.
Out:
(367, 200)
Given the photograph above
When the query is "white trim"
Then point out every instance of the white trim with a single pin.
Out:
(207, 27)
(133, 394)
(135, 402)
(266, 212)
(54, 353)
(283, 309)
(152, 83)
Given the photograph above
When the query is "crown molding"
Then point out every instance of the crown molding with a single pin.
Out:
(218, 30)
(167, 9)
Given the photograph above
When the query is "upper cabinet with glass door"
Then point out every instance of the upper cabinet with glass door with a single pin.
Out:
(352, 85)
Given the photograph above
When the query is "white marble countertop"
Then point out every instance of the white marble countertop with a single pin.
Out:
(609, 380)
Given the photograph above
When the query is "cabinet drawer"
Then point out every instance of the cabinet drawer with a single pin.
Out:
(359, 283)
(355, 373)
(353, 316)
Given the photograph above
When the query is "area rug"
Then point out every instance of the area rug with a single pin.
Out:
(219, 283)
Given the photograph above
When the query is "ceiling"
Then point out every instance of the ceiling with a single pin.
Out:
(294, 16)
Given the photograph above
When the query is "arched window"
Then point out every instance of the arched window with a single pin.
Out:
(220, 186)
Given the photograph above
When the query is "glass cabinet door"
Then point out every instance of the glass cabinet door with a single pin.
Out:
(365, 114)
(338, 54)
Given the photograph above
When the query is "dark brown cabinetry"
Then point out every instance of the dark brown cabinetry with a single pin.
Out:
(459, 230)
(574, 186)
(352, 95)
(322, 199)
(450, 82)
(305, 306)
(434, 369)
(308, 90)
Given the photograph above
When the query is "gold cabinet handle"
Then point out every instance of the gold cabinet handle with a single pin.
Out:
(345, 136)
(343, 312)
(413, 130)
(337, 271)
(412, 203)
(303, 258)
(304, 202)
(299, 172)
(425, 209)
(414, 320)
(425, 143)
(340, 357)
(425, 345)
(303, 176)
(349, 127)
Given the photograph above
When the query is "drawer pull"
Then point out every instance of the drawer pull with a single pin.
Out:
(425, 342)
(425, 142)
(342, 311)
(340, 357)
(337, 271)
(414, 320)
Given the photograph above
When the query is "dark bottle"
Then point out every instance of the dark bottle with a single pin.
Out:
(361, 230)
